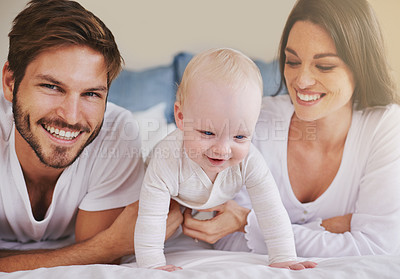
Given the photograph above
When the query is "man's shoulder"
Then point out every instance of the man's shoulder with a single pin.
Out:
(119, 130)
(119, 120)
(115, 112)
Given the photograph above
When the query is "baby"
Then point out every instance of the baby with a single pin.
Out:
(208, 159)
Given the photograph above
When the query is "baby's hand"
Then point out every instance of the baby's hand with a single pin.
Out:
(169, 268)
(294, 265)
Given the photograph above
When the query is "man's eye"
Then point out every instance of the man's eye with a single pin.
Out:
(49, 86)
(91, 94)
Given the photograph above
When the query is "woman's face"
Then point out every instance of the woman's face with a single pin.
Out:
(319, 82)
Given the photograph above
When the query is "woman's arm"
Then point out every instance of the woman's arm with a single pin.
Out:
(229, 218)
(365, 231)
(327, 238)
(338, 224)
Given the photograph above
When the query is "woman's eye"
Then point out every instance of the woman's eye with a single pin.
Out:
(292, 63)
(325, 68)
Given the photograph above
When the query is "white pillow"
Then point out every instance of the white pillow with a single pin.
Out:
(153, 126)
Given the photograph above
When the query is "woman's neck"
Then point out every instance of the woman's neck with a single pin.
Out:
(328, 133)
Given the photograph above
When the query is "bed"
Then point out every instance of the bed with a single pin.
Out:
(202, 262)
(150, 95)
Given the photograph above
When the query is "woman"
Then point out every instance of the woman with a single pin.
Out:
(332, 143)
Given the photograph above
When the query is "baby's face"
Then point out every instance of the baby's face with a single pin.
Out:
(218, 122)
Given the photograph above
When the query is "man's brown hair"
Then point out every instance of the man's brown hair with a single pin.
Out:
(45, 24)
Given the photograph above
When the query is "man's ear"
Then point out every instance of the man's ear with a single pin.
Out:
(8, 82)
(178, 115)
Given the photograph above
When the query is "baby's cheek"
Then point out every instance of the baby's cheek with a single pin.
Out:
(242, 152)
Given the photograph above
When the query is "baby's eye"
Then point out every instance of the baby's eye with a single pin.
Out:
(240, 137)
(207, 133)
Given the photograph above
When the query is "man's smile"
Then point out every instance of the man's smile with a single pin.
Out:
(61, 134)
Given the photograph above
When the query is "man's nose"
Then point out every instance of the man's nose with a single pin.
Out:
(70, 109)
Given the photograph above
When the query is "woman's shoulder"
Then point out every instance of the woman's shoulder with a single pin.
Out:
(380, 115)
(378, 121)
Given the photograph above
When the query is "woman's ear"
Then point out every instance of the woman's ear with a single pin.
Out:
(178, 115)
(8, 82)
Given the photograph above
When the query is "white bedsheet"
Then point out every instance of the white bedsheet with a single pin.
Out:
(231, 265)
(199, 262)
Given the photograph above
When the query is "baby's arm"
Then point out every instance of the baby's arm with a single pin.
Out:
(271, 214)
(277, 230)
(151, 223)
(294, 265)
(273, 220)
(150, 227)
(169, 268)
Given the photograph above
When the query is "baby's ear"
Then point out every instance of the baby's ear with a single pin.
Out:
(8, 82)
(178, 115)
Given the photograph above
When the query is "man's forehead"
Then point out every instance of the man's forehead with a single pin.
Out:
(71, 64)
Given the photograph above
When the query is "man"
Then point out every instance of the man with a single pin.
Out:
(71, 162)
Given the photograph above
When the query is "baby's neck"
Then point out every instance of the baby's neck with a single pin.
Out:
(212, 176)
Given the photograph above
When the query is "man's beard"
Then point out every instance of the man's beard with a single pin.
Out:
(58, 158)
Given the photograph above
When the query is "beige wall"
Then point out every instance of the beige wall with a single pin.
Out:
(388, 14)
(150, 32)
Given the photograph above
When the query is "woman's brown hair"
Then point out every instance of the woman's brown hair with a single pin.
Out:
(354, 28)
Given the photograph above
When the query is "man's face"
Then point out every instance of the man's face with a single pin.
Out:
(60, 103)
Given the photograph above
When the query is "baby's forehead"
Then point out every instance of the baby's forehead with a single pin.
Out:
(224, 96)
(228, 85)
(234, 77)
(222, 109)
(224, 124)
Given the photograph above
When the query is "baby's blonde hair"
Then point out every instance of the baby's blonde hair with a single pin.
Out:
(223, 64)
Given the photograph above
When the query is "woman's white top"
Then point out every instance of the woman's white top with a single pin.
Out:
(367, 185)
